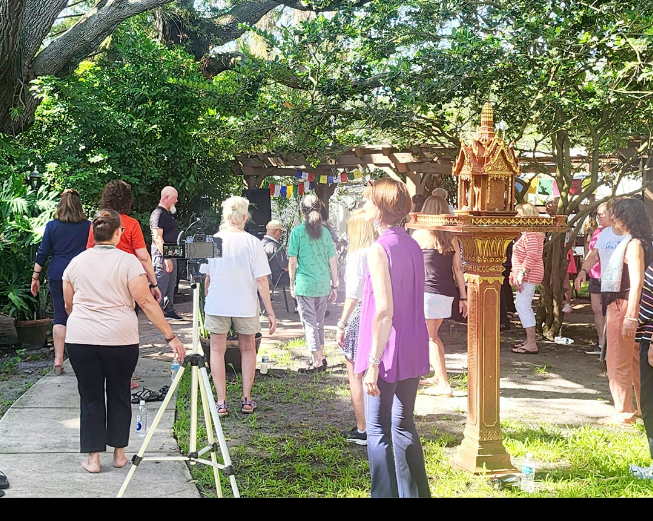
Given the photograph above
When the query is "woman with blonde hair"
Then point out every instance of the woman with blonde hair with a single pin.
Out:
(442, 266)
(527, 272)
(361, 234)
(64, 238)
(313, 277)
(233, 282)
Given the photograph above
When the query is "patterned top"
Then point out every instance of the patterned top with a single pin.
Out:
(527, 254)
(406, 355)
(645, 327)
(313, 275)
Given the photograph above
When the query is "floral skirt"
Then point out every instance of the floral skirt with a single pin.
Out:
(350, 342)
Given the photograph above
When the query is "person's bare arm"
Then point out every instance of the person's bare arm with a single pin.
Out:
(460, 277)
(146, 261)
(140, 292)
(347, 310)
(68, 293)
(635, 263)
(590, 260)
(333, 266)
(157, 237)
(377, 262)
(263, 285)
(292, 269)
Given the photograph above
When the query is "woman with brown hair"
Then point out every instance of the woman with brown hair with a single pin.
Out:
(100, 287)
(63, 239)
(313, 272)
(443, 267)
(117, 195)
(393, 345)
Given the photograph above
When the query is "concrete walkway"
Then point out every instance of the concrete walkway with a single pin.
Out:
(39, 434)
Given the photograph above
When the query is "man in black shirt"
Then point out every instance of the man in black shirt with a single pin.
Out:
(164, 230)
(276, 254)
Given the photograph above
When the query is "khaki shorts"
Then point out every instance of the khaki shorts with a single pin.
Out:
(242, 325)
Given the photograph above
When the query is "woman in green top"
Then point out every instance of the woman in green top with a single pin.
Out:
(313, 278)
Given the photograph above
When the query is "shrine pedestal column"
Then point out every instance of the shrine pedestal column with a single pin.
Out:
(482, 450)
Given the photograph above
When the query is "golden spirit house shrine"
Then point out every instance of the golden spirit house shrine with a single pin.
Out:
(485, 223)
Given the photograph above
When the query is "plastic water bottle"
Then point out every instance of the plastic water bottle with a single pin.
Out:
(265, 364)
(174, 368)
(563, 340)
(141, 420)
(528, 474)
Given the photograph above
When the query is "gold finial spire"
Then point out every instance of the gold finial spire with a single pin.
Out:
(486, 129)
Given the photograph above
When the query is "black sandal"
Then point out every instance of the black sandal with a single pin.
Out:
(145, 394)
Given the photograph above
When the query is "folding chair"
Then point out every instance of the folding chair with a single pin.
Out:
(283, 287)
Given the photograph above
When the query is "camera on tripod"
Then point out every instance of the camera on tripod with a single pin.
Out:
(196, 247)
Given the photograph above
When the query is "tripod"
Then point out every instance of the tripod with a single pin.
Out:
(199, 379)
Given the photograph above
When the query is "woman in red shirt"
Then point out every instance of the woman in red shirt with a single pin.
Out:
(527, 272)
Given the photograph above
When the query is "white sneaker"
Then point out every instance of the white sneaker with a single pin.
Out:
(567, 308)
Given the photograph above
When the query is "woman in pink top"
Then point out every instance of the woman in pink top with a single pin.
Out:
(603, 220)
(527, 272)
(100, 286)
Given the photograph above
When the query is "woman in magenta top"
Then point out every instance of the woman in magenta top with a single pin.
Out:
(603, 220)
(393, 345)
(527, 272)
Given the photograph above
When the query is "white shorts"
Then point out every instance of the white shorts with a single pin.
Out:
(437, 306)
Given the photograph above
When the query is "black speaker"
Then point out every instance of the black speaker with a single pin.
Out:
(260, 207)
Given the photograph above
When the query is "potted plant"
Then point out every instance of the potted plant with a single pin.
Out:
(24, 213)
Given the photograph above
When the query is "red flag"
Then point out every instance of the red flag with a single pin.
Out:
(271, 190)
(300, 188)
(311, 177)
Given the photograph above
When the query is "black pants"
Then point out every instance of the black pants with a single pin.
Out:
(646, 391)
(97, 368)
(507, 302)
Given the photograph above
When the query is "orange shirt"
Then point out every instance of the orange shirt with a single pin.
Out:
(132, 238)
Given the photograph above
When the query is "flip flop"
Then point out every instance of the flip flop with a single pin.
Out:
(145, 394)
(4, 482)
(518, 344)
(522, 351)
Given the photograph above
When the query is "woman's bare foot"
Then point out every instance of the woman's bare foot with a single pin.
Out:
(119, 458)
(92, 464)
